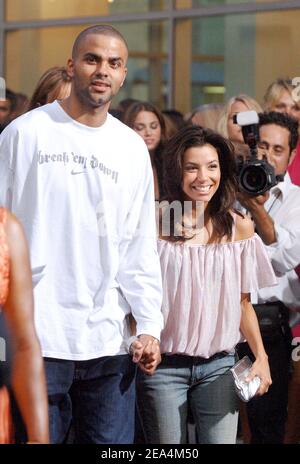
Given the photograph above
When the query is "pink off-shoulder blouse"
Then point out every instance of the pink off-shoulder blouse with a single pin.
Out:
(202, 286)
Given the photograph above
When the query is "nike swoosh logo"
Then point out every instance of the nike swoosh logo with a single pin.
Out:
(77, 172)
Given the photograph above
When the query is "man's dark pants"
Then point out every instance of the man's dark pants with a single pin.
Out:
(97, 397)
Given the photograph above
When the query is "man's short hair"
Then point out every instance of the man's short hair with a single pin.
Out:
(101, 29)
(282, 120)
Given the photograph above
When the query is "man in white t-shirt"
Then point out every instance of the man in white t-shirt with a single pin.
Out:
(81, 183)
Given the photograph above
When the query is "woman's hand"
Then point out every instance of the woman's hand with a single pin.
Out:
(145, 352)
(261, 369)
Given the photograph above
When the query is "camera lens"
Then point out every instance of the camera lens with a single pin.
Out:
(253, 179)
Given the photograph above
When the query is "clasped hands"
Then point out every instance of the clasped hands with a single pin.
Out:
(145, 352)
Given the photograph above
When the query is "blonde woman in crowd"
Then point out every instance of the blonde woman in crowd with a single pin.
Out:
(281, 97)
(237, 104)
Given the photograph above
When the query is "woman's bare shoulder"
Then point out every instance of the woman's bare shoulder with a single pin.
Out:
(244, 227)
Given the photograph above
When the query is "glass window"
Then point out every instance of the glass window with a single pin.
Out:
(147, 65)
(197, 3)
(23, 10)
(227, 55)
(207, 74)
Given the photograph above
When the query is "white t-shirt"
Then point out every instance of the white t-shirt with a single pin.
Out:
(283, 205)
(85, 198)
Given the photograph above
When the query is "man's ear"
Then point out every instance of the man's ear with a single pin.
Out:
(292, 155)
(70, 67)
(125, 74)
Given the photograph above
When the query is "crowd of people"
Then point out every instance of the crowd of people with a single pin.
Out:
(146, 272)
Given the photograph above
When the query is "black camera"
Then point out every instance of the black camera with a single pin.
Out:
(255, 176)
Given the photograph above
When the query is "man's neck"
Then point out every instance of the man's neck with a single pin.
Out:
(92, 117)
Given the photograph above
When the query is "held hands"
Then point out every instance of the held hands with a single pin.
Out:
(145, 352)
(261, 369)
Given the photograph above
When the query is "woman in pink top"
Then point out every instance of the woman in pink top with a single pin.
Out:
(211, 260)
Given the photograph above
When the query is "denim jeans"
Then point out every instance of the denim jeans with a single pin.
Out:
(182, 382)
(97, 396)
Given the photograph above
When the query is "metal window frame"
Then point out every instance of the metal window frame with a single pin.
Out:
(170, 14)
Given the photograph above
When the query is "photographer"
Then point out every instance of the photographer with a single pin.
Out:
(276, 215)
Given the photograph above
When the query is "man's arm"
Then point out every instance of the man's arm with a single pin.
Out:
(282, 237)
(139, 273)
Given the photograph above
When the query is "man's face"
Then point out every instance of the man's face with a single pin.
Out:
(98, 70)
(274, 141)
(4, 111)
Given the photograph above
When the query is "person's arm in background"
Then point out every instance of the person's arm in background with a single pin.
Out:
(139, 273)
(28, 378)
(263, 222)
(282, 238)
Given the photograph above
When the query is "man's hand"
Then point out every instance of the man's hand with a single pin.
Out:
(146, 353)
(264, 224)
(250, 202)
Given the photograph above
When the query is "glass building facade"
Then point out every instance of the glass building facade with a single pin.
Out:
(183, 53)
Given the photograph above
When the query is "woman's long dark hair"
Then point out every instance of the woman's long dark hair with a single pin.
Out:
(223, 200)
(129, 118)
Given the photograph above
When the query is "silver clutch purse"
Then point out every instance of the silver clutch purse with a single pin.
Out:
(245, 390)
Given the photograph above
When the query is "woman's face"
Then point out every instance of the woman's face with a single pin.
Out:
(234, 130)
(201, 173)
(148, 127)
(286, 104)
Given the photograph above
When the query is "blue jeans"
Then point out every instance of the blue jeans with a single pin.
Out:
(97, 396)
(182, 382)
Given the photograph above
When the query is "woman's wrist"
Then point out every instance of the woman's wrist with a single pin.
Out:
(262, 356)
